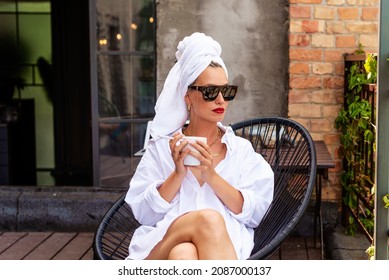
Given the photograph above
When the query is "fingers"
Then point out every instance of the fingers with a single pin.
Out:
(204, 155)
(203, 149)
(179, 154)
(177, 145)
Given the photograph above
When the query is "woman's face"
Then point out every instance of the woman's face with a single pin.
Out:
(211, 111)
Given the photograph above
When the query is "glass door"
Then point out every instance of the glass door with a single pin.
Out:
(123, 85)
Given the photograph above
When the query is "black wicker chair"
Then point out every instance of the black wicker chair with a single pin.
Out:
(289, 149)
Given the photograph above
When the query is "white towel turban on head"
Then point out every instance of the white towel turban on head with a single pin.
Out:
(194, 54)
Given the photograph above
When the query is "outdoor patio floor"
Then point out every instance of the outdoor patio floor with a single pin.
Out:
(78, 246)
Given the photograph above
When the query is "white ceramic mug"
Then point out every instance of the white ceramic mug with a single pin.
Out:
(189, 159)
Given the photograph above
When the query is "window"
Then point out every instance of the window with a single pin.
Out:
(25, 59)
(123, 86)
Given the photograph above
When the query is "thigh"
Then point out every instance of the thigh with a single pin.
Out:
(178, 232)
(193, 227)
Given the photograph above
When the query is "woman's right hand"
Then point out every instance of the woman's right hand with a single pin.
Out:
(177, 145)
(169, 189)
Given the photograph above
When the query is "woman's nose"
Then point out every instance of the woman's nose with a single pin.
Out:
(219, 98)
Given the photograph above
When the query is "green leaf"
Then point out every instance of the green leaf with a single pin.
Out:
(385, 199)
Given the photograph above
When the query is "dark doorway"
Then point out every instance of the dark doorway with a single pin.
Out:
(71, 93)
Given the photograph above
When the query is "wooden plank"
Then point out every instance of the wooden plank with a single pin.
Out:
(88, 255)
(7, 239)
(24, 246)
(77, 247)
(74, 246)
(51, 246)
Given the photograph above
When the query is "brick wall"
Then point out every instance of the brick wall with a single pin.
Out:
(321, 32)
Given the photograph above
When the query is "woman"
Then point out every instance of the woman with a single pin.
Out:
(206, 211)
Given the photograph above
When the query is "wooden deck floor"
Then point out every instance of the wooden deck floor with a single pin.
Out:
(78, 246)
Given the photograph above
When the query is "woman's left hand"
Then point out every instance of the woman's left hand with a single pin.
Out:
(204, 155)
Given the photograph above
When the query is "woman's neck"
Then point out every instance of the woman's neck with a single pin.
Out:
(211, 132)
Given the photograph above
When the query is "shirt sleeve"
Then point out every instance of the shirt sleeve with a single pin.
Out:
(256, 184)
(143, 197)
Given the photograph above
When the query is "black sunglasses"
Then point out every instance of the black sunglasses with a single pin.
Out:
(211, 92)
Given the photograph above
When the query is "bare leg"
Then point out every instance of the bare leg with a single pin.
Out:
(205, 229)
(184, 251)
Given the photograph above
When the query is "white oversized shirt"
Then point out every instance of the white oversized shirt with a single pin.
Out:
(242, 167)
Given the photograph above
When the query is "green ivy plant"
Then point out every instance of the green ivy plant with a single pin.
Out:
(356, 125)
(370, 252)
(385, 199)
(354, 120)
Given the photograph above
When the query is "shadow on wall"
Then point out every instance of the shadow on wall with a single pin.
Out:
(12, 54)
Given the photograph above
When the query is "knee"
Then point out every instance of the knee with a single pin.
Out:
(211, 222)
(184, 251)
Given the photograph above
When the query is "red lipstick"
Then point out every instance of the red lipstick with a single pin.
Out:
(219, 110)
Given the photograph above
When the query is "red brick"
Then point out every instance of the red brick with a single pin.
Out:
(300, 11)
(321, 125)
(323, 12)
(369, 41)
(303, 121)
(299, 68)
(300, 40)
(339, 69)
(310, 26)
(304, 82)
(323, 40)
(331, 111)
(337, 153)
(369, 14)
(305, 110)
(336, 27)
(332, 139)
(346, 41)
(327, 96)
(306, 54)
(348, 13)
(298, 96)
(362, 27)
(334, 55)
(321, 68)
(333, 82)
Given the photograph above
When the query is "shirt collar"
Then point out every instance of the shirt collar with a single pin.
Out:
(228, 137)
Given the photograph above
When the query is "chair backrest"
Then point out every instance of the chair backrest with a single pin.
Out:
(289, 149)
(114, 233)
